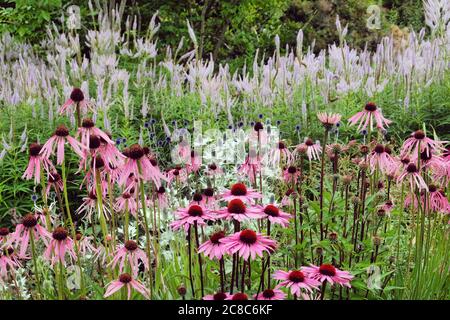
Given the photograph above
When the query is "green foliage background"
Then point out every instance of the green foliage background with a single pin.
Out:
(231, 30)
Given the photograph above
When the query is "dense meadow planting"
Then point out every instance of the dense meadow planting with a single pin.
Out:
(133, 171)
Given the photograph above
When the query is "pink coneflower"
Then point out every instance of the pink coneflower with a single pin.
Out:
(366, 118)
(184, 150)
(210, 199)
(411, 175)
(191, 215)
(59, 246)
(217, 296)
(238, 296)
(411, 146)
(76, 97)
(213, 248)
(328, 119)
(438, 200)
(198, 199)
(22, 234)
(162, 197)
(136, 157)
(133, 254)
(237, 210)
(251, 167)
(291, 174)
(279, 154)
(275, 215)
(58, 140)
(270, 294)
(329, 273)
(288, 198)
(177, 174)
(240, 191)
(9, 262)
(85, 244)
(55, 182)
(259, 134)
(247, 243)
(195, 162)
(312, 149)
(5, 237)
(125, 280)
(296, 280)
(88, 129)
(214, 170)
(153, 172)
(380, 159)
(35, 164)
(126, 201)
(88, 206)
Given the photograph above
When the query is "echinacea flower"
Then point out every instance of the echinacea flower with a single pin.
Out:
(251, 167)
(274, 215)
(380, 159)
(270, 294)
(84, 244)
(248, 244)
(237, 210)
(411, 145)
(9, 262)
(329, 273)
(55, 182)
(217, 296)
(162, 197)
(438, 200)
(313, 149)
(366, 118)
(195, 162)
(23, 232)
(194, 214)
(291, 174)
(177, 174)
(125, 280)
(36, 163)
(296, 280)
(133, 254)
(213, 248)
(58, 140)
(60, 244)
(237, 296)
(214, 170)
(76, 97)
(138, 165)
(328, 120)
(88, 129)
(241, 192)
(126, 202)
(279, 154)
(412, 176)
